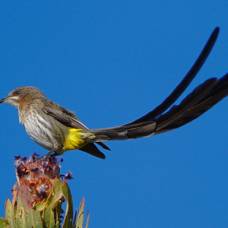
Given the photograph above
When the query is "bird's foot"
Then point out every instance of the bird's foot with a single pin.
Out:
(51, 154)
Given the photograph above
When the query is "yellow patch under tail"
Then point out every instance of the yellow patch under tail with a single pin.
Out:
(76, 138)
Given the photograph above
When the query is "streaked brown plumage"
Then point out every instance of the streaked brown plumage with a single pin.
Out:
(58, 129)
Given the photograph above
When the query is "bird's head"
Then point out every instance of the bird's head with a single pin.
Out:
(21, 94)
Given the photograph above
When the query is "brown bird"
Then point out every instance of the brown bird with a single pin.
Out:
(59, 130)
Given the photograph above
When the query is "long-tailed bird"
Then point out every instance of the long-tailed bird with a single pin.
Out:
(59, 130)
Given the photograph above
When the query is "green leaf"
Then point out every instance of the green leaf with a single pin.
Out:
(49, 218)
(52, 206)
(27, 217)
(87, 221)
(4, 223)
(80, 216)
(9, 213)
(68, 219)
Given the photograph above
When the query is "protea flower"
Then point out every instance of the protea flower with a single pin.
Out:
(38, 196)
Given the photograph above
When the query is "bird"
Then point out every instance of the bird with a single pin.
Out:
(59, 130)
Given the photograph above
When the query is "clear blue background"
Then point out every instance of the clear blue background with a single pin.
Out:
(112, 61)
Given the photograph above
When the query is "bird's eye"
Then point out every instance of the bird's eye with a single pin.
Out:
(14, 93)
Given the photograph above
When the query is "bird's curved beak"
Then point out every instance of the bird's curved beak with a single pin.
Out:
(2, 100)
(13, 100)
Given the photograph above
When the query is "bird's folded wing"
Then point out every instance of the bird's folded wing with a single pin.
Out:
(64, 116)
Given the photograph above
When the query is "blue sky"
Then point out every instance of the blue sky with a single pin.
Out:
(110, 62)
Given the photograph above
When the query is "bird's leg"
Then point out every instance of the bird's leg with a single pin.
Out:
(51, 153)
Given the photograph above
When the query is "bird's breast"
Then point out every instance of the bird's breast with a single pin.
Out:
(45, 130)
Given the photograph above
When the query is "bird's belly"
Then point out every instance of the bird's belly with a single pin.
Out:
(46, 131)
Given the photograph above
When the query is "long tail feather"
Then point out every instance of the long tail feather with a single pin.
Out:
(164, 117)
(188, 112)
(195, 104)
(180, 88)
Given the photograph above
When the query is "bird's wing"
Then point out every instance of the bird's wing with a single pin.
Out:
(69, 119)
(63, 115)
